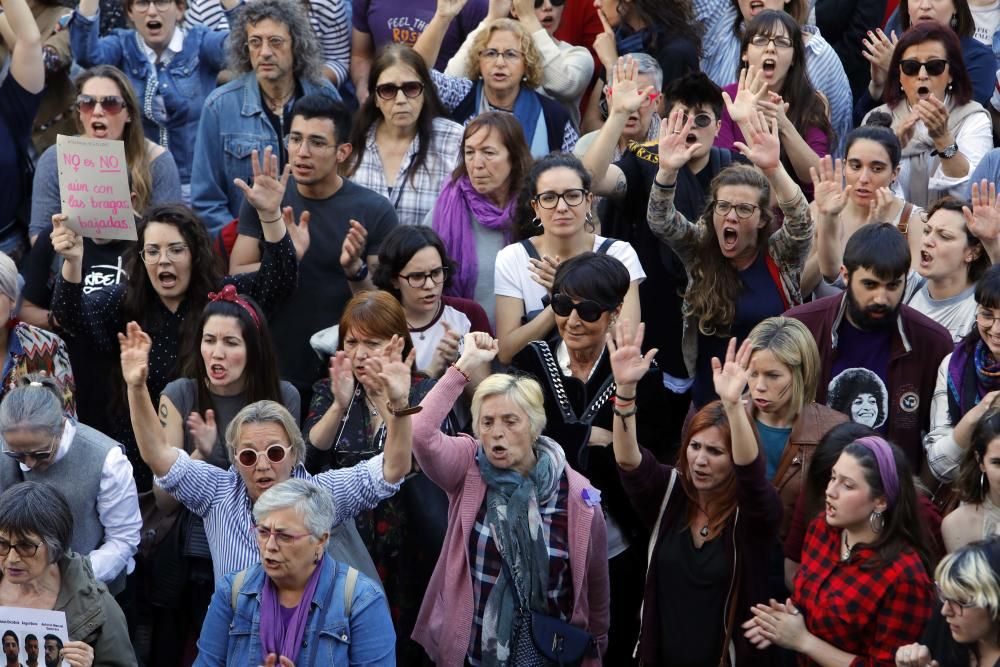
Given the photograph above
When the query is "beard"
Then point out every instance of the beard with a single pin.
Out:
(872, 318)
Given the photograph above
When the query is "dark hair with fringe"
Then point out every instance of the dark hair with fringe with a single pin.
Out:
(398, 248)
(321, 106)
(930, 31)
(829, 449)
(880, 248)
(987, 295)
(694, 90)
(600, 278)
(797, 9)
(36, 508)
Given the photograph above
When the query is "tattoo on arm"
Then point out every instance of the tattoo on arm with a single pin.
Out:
(621, 186)
(163, 415)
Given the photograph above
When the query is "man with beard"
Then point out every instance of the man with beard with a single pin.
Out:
(53, 646)
(11, 648)
(868, 327)
(31, 650)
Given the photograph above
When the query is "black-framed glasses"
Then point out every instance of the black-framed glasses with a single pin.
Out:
(743, 211)
(572, 197)
(388, 91)
(152, 254)
(23, 549)
(934, 66)
(959, 605)
(586, 310)
(112, 104)
(554, 3)
(419, 278)
(248, 457)
(510, 55)
(779, 41)
(986, 320)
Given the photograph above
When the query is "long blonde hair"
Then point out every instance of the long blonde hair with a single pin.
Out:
(136, 155)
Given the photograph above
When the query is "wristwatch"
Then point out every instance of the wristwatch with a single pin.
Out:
(360, 275)
(946, 153)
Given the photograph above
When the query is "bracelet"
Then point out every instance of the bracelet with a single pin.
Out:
(403, 412)
(360, 275)
(269, 222)
(625, 415)
(625, 399)
(670, 186)
(466, 375)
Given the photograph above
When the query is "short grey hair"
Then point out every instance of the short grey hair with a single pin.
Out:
(312, 503)
(523, 391)
(648, 65)
(38, 509)
(35, 405)
(305, 47)
(8, 279)
(263, 412)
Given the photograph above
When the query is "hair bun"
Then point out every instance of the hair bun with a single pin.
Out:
(879, 119)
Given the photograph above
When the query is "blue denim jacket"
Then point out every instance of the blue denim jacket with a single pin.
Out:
(233, 124)
(170, 115)
(232, 639)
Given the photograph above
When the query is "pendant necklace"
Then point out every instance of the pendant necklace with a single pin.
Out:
(421, 332)
(371, 408)
(704, 531)
(845, 553)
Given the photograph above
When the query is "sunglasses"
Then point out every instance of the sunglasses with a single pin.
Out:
(586, 310)
(554, 3)
(43, 455)
(911, 67)
(248, 458)
(388, 91)
(112, 104)
(700, 120)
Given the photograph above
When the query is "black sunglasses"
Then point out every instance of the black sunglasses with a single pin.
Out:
(388, 91)
(586, 310)
(911, 66)
(112, 104)
(554, 3)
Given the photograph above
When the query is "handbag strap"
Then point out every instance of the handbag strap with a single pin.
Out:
(652, 544)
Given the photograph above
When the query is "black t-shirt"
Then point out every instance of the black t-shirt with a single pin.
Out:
(103, 268)
(17, 113)
(859, 375)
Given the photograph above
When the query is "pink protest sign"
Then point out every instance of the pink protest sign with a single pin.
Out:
(93, 186)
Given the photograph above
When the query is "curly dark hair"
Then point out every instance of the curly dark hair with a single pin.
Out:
(850, 384)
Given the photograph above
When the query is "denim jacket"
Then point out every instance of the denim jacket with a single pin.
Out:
(232, 639)
(170, 114)
(232, 125)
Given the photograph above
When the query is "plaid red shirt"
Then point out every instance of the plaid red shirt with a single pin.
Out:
(869, 612)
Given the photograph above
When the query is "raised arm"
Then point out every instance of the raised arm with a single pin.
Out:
(830, 197)
(26, 63)
(428, 45)
(730, 380)
(149, 435)
(388, 379)
(628, 365)
(764, 151)
(665, 221)
(322, 434)
(984, 218)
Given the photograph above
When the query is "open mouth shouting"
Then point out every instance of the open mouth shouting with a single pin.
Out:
(923, 93)
(217, 372)
(154, 27)
(769, 66)
(730, 240)
(691, 139)
(926, 259)
(98, 129)
(167, 279)
(756, 7)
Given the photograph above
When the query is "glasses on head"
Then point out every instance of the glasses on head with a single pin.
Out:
(23, 549)
(779, 41)
(743, 211)
(248, 457)
(112, 104)
(959, 605)
(152, 254)
(700, 120)
(388, 91)
(38, 455)
(418, 279)
(275, 42)
(934, 66)
(554, 3)
(586, 310)
(986, 320)
(510, 55)
(280, 538)
(143, 5)
(294, 141)
(573, 197)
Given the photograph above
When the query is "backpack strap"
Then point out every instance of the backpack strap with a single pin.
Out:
(529, 248)
(605, 246)
(352, 579)
(237, 587)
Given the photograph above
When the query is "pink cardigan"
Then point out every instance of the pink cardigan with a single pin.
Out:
(444, 625)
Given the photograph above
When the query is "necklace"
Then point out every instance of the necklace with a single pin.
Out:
(845, 550)
(371, 408)
(704, 531)
(277, 104)
(422, 331)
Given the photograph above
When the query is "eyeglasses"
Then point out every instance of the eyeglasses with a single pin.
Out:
(743, 211)
(282, 539)
(388, 91)
(573, 197)
(418, 279)
(509, 55)
(276, 43)
(41, 455)
(586, 310)
(152, 254)
(248, 457)
(959, 605)
(143, 5)
(112, 104)
(23, 549)
(985, 319)
(911, 67)
(294, 141)
(779, 41)
(554, 3)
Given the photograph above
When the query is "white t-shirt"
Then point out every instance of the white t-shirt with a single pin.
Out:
(987, 19)
(512, 276)
(956, 314)
(426, 340)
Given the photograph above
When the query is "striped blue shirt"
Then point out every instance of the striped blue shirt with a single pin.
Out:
(220, 498)
(721, 56)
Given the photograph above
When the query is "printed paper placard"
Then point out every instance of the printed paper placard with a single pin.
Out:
(34, 636)
(93, 187)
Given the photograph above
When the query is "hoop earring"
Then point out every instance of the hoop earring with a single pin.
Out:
(982, 484)
(536, 222)
(876, 521)
(589, 220)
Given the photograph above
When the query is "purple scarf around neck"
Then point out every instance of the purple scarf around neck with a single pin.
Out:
(275, 636)
(453, 224)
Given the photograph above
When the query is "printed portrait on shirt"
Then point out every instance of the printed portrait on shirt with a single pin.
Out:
(861, 395)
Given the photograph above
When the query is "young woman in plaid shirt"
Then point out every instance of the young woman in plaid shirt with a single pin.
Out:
(862, 589)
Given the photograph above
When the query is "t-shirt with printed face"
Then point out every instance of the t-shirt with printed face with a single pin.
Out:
(859, 385)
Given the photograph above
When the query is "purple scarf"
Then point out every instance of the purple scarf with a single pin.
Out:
(275, 636)
(454, 225)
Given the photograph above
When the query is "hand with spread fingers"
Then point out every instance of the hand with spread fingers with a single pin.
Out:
(268, 185)
(764, 147)
(298, 232)
(878, 48)
(341, 378)
(628, 363)
(730, 377)
(829, 193)
(624, 94)
(934, 113)
(204, 431)
(135, 345)
(984, 218)
(674, 149)
(389, 374)
(751, 89)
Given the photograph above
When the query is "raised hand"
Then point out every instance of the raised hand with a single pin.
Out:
(830, 195)
(764, 149)
(934, 114)
(881, 205)
(135, 345)
(774, 107)
(674, 150)
(446, 352)
(268, 185)
(299, 233)
(449, 9)
(393, 372)
(624, 94)
(499, 9)
(984, 218)
(628, 363)
(203, 431)
(65, 241)
(604, 44)
(731, 378)
(354, 246)
(543, 271)
(341, 379)
(478, 348)
(906, 128)
(751, 89)
(878, 51)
